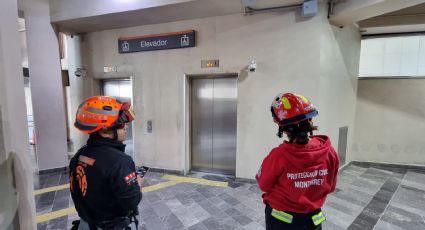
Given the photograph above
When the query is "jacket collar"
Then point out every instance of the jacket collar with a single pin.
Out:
(97, 140)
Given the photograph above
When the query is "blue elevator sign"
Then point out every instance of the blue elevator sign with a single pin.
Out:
(174, 40)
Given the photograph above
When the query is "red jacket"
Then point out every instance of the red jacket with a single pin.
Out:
(297, 178)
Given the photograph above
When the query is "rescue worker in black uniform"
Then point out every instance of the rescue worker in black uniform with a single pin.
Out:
(104, 184)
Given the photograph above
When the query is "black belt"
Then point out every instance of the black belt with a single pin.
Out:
(115, 224)
(119, 223)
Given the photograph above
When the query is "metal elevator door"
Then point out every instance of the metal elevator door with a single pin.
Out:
(122, 90)
(213, 113)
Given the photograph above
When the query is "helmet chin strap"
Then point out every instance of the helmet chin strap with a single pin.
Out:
(280, 132)
(115, 134)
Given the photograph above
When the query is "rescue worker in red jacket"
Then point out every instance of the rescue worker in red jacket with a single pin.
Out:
(104, 184)
(297, 175)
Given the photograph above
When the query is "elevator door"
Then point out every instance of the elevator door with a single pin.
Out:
(121, 89)
(213, 113)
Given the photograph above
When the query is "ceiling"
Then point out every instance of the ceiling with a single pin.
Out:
(407, 20)
(168, 13)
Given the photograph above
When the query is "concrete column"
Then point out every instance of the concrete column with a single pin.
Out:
(17, 209)
(77, 86)
(46, 86)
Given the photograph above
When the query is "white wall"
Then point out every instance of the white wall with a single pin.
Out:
(389, 112)
(390, 121)
(16, 182)
(393, 57)
(287, 49)
(46, 86)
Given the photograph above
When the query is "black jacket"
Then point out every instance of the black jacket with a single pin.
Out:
(103, 181)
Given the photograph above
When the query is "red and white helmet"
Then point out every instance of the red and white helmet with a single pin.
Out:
(289, 108)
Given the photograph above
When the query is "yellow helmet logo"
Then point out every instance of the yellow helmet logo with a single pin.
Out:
(286, 103)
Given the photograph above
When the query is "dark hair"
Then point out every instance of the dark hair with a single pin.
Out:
(108, 130)
(298, 133)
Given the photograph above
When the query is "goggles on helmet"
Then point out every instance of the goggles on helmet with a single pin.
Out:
(125, 115)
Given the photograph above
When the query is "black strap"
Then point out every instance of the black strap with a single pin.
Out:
(136, 221)
(75, 224)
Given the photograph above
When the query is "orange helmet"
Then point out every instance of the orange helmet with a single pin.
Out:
(288, 108)
(100, 112)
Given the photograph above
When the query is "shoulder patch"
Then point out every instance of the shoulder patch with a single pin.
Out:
(130, 178)
(86, 160)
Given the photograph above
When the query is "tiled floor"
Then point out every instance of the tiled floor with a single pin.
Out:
(366, 198)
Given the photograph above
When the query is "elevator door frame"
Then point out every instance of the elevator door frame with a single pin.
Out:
(102, 85)
(188, 115)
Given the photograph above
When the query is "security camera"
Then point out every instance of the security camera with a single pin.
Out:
(252, 66)
(80, 72)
